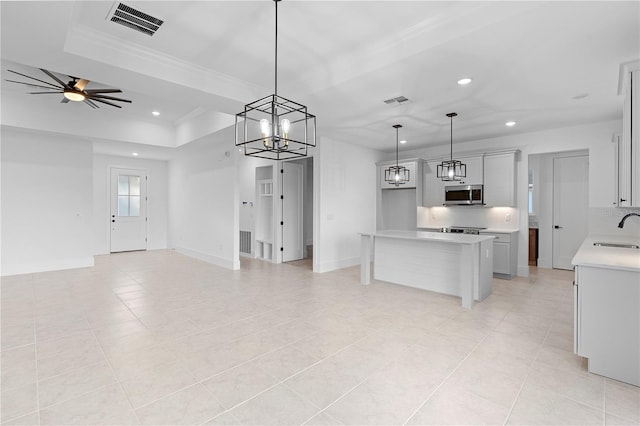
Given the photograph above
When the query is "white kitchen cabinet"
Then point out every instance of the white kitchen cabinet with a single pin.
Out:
(607, 321)
(475, 171)
(433, 187)
(500, 179)
(627, 194)
(505, 254)
(412, 166)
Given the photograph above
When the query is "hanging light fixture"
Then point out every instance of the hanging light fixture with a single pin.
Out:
(397, 175)
(451, 169)
(274, 127)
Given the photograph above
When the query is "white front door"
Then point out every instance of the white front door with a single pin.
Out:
(292, 218)
(570, 207)
(128, 216)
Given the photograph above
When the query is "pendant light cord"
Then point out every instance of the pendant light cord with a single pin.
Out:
(397, 147)
(276, 52)
(451, 140)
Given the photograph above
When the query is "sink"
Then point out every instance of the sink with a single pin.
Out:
(618, 245)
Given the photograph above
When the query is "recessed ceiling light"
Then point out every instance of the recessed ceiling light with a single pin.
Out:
(464, 81)
(510, 123)
(156, 113)
(135, 154)
(403, 142)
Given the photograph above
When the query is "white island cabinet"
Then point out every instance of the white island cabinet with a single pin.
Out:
(455, 264)
(607, 308)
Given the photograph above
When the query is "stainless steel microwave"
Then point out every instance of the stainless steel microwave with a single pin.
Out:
(463, 195)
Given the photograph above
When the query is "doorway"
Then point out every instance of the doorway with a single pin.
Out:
(570, 208)
(297, 212)
(128, 210)
(558, 196)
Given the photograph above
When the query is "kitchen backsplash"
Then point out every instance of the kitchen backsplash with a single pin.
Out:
(481, 217)
(604, 220)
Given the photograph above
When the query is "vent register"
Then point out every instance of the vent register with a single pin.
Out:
(134, 19)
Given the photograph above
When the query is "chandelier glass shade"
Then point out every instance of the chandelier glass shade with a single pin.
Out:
(397, 175)
(274, 127)
(451, 170)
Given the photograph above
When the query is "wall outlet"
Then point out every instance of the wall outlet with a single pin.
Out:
(507, 217)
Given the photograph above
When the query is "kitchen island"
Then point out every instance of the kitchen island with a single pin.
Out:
(455, 264)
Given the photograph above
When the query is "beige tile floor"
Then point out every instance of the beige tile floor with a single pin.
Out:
(159, 338)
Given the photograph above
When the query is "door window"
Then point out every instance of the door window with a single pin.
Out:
(128, 195)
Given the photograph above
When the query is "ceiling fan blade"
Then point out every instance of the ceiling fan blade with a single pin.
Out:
(64, 100)
(32, 78)
(50, 74)
(91, 104)
(92, 96)
(45, 93)
(105, 102)
(35, 85)
(96, 91)
(80, 84)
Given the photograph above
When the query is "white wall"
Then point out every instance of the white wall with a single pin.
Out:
(596, 138)
(203, 200)
(157, 203)
(46, 202)
(347, 196)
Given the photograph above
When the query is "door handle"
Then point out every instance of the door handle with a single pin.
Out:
(558, 227)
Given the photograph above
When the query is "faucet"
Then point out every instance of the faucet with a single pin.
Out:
(621, 224)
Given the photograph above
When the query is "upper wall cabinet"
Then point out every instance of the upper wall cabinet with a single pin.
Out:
(433, 187)
(628, 146)
(413, 171)
(475, 171)
(500, 179)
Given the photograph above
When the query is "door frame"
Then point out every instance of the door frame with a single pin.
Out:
(110, 167)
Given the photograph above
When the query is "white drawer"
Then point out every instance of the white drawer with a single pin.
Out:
(501, 238)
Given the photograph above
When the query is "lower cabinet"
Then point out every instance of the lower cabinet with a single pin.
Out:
(505, 254)
(607, 321)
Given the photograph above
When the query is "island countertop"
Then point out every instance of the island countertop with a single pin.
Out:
(444, 237)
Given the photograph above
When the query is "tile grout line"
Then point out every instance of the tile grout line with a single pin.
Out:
(515, 400)
(281, 381)
(113, 372)
(444, 380)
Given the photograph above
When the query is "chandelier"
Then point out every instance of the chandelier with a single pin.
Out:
(450, 170)
(397, 175)
(274, 127)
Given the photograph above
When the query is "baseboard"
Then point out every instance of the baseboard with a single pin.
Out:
(523, 271)
(215, 260)
(50, 265)
(337, 264)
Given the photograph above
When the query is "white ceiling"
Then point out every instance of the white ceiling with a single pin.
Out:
(528, 61)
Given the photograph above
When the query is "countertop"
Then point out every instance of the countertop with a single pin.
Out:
(608, 257)
(444, 237)
(482, 231)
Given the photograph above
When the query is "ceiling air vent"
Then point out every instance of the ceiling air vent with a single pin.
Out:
(134, 19)
(399, 100)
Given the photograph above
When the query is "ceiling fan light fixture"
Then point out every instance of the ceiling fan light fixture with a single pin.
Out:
(274, 127)
(74, 95)
(451, 170)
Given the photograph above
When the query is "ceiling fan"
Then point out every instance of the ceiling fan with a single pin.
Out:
(74, 90)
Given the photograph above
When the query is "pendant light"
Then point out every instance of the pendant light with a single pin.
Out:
(397, 175)
(451, 170)
(274, 127)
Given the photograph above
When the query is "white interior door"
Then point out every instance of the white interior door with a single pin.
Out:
(128, 216)
(570, 207)
(292, 217)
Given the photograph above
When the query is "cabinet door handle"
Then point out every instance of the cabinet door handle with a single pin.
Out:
(558, 227)
(622, 200)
